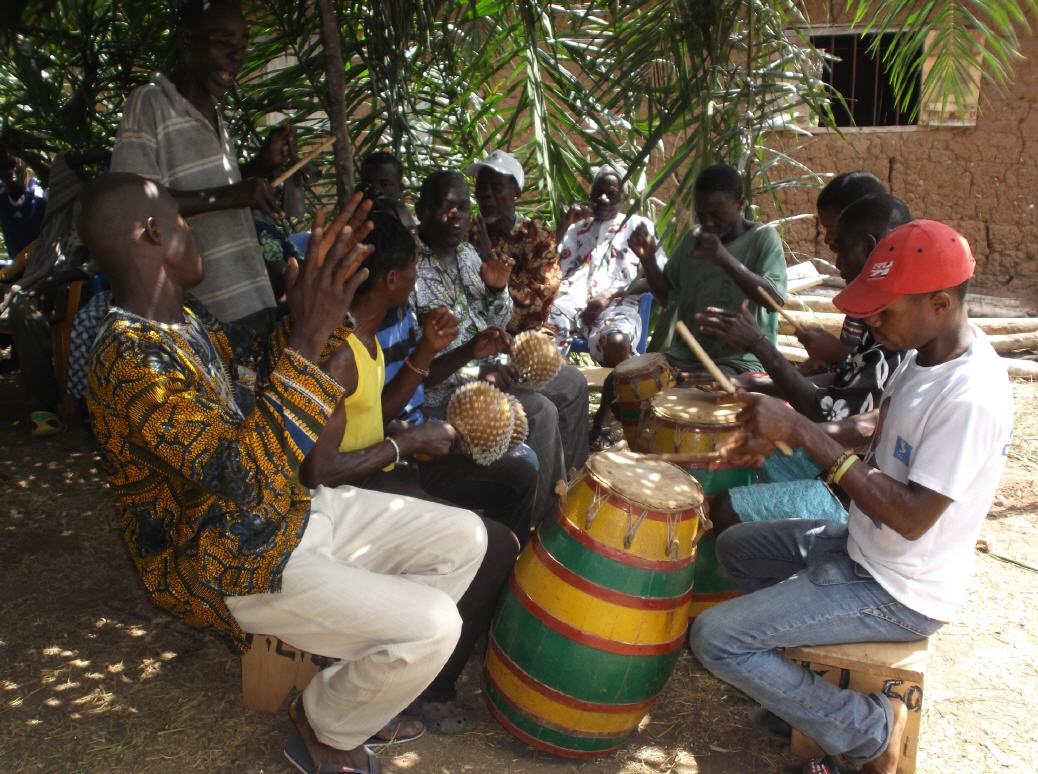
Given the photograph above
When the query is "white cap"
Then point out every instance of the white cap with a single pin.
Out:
(502, 162)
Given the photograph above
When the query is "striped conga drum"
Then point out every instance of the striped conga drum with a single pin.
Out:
(596, 611)
(688, 425)
(635, 381)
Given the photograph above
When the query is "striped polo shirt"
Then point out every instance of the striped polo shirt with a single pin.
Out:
(164, 138)
(398, 336)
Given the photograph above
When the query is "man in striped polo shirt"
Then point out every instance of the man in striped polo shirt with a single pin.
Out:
(172, 132)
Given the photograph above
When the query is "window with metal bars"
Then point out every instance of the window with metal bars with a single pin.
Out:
(857, 72)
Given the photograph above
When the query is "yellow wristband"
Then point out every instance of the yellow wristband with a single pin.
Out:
(844, 464)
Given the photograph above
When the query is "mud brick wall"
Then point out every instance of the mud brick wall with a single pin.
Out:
(982, 180)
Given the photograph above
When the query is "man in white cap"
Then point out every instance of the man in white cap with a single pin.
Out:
(900, 567)
(533, 284)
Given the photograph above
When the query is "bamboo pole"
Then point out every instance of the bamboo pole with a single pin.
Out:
(310, 156)
(335, 77)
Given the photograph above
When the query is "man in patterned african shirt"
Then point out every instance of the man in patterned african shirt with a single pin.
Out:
(536, 275)
(202, 442)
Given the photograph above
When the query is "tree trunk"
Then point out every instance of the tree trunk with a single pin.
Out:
(335, 78)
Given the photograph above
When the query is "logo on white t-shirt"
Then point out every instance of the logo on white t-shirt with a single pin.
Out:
(903, 450)
(881, 270)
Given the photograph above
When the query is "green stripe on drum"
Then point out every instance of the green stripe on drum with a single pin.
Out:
(714, 482)
(609, 573)
(580, 671)
(534, 731)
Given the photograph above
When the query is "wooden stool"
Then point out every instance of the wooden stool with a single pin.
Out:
(895, 669)
(270, 669)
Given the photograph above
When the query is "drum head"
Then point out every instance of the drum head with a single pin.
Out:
(652, 484)
(690, 406)
(642, 364)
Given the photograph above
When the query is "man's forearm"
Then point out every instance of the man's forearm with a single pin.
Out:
(407, 380)
(789, 385)
(447, 363)
(657, 282)
(747, 281)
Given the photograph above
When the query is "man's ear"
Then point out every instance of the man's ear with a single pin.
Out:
(152, 231)
(941, 302)
(870, 243)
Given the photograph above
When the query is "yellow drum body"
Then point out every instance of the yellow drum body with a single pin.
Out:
(597, 608)
(635, 381)
(692, 424)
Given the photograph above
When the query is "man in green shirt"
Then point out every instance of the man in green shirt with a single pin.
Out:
(722, 265)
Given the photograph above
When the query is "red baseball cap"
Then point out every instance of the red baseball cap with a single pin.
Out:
(923, 256)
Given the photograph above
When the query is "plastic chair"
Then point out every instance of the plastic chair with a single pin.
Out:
(579, 344)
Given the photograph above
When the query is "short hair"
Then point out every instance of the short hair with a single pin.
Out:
(192, 13)
(377, 158)
(719, 178)
(961, 289)
(846, 188)
(437, 183)
(395, 247)
(874, 215)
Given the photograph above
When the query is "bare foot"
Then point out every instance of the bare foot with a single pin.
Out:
(887, 762)
(400, 728)
(321, 753)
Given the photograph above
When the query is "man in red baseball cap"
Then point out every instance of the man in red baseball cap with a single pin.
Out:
(899, 568)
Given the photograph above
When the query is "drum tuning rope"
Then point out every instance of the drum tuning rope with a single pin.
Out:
(633, 525)
(597, 501)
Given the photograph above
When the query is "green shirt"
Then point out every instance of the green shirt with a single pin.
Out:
(696, 284)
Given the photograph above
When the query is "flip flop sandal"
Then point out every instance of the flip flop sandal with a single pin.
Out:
(45, 423)
(392, 728)
(299, 757)
(445, 717)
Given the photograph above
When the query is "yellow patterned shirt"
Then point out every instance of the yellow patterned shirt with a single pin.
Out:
(202, 439)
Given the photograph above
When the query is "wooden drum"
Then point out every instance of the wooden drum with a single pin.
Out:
(691, 424)
(596, 612)
(635, 381)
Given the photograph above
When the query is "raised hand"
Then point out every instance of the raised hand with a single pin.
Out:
(707, 246)
(642, 244)
(768, 418)
(492, 341)
(577, 212)
(432, 439)
(496, 270)
(439, 328)
(319, 295)
(742, 450)
(480, 238)
(821, 345)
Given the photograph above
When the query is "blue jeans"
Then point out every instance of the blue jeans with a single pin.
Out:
(805, 590)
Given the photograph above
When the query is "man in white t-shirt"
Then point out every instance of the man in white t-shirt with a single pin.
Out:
(900, 567)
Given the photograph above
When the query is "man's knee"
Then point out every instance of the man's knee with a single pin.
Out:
(437, 623)
(729, 545)
(707, 636)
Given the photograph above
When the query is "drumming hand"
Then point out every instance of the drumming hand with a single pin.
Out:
(769, 418)
(492, 341)
(742, 450)
(707, 246)
(822, 345)
(642, 244)
(501, 376)
(738, 330)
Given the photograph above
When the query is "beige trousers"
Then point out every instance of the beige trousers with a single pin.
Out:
(374, 582)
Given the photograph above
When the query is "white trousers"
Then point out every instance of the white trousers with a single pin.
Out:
(374, 582)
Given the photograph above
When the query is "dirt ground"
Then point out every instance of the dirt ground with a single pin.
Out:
(94, 679)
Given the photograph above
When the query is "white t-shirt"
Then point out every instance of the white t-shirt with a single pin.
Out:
(948, 428)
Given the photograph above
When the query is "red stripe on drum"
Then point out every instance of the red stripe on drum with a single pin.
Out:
(522, 736)
(560, 571)
(591, 640)
(561, 698)
(617, 501)
(615, 553)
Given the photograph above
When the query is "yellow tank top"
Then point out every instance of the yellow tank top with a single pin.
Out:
(364, 426)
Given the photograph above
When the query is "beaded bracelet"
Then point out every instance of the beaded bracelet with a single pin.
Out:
(839, 468)
(422, 372)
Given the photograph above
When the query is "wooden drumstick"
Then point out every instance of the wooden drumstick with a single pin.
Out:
(774, 306)
(716, 372)
(310, 156)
